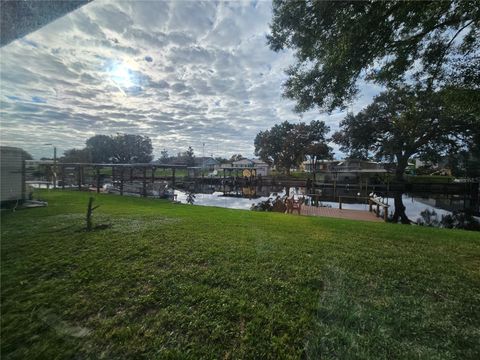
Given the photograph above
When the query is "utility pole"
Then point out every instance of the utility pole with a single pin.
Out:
(55, 167)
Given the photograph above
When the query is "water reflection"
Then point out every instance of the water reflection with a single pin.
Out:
(244, 198)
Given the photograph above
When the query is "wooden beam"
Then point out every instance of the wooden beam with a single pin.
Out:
(144, 187)
(79, 176)
(121, 180)
(63, 177)
(97, 170)
(153, 173)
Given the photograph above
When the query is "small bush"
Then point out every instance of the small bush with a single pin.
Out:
(461, 220)
(428, 218)
(457, 220)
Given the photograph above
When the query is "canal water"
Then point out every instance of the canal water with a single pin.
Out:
(244, 199)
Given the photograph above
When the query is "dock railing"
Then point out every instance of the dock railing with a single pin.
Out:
(351, 197)
(375, 201)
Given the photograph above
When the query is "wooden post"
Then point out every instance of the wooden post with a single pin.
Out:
(98, 179)
(378, 210)
(63, 177)
(144, 187)
(370, 205)
(79, 175)
(385, 213)
(89, 214)
(173, 178)
(113, 175)
(340, 202)
(334, 189)
(121, 180)
(153, 173)
(90, 209)
(224, 180)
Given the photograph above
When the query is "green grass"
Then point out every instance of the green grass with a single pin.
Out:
(178, 281)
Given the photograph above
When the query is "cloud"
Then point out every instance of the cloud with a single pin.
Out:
(182, 72)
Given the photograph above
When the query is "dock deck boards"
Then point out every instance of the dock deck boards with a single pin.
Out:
(339, 213)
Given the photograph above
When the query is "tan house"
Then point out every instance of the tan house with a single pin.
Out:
(250, 167)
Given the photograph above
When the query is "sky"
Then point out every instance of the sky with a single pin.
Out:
(184, 73)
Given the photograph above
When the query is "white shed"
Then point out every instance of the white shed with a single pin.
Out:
(12, 174)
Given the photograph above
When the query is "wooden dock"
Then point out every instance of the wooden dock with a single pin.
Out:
(340, 213)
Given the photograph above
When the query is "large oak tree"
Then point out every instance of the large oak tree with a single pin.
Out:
(406, 122)
(129, 148)
(120, 149)
(285, 145)
(336, 43)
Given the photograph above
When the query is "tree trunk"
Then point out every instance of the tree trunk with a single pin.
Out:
(399, 213)
(89, 214)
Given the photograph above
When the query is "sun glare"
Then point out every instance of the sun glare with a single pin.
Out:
(121, 75)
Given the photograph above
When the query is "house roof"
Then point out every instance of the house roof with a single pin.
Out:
(258, 162)
(207, 159)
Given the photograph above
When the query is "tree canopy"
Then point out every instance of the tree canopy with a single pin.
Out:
(190, 157)
(236, 157)
(132, 149)
(121, 148)
(100, 148)
(404, 122)
(164, 159)
(338, 42)
(285, 145)
(75, 156)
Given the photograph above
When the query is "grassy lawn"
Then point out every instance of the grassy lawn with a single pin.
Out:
(178, 281)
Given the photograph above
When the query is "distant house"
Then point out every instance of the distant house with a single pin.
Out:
(206, 162)
(259, 167)
(346, 171)
(308, 165)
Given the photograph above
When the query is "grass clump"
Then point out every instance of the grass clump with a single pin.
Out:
(178, 281)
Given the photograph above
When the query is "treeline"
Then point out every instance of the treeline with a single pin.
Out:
(127, 149)
(114, 149)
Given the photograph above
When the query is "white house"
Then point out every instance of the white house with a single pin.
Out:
(262, 167)
(259, 167)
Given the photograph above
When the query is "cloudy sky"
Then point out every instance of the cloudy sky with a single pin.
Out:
(183, 72)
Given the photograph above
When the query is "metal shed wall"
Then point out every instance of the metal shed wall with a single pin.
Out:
(12, 174)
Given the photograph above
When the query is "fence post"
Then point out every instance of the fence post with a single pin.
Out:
(121, 180)
(144, 187)
(79, 174)
(63, 177)
(98, 179)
